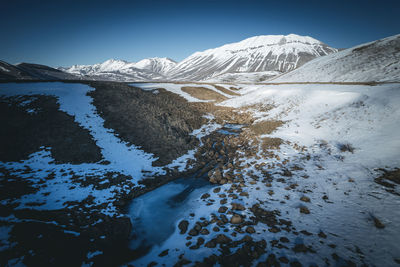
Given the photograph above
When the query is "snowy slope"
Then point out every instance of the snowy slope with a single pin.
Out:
(361, 115)
(377, 61)
(146, 69)
(260, 53)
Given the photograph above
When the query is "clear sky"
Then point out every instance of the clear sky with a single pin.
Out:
(63, 33)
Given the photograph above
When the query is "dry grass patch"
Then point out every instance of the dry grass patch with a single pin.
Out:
(224, 115)
(203, 93)
(226, 91)
(265, 127)
(270, 143)
(261, 107)
(392, 176)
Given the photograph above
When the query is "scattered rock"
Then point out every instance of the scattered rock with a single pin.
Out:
(378, 224)
(244, 194)
(217, 189)
(183, 225)
(193, 232)
(164, 253)
(284, 239)
(210, 244)
(222, 239)
(200, 241)
(236, 219)
(237, 206)
(302, 248)
(304, 210)
(206, 195)
(250, 230)
(322, 234)
(222, 209)
(283, 259)
(305, 199)
(204, 231)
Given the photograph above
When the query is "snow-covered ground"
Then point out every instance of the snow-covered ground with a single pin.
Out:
(364, 116)
(344, 198)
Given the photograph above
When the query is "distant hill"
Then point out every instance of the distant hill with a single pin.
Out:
(27, 71)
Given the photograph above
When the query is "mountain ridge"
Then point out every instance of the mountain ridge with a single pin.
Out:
(29, 71)
(376, 61)
(275, 53)
(255, 54)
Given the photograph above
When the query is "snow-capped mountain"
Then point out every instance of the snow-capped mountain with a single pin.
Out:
(157, 65)
(146, 69)
(377, 61)
(260, 53)
(269, 53)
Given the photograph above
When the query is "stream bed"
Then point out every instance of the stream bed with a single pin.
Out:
(155, 214)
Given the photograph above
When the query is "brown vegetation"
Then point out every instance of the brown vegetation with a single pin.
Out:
(203, 93)
(226, 91)
(270, 143)
(265, 127)
(158, 123)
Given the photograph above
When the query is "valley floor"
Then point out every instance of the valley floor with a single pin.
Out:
(183, 174)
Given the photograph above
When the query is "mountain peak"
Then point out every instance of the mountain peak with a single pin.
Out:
(156, 64)
(276, 39)
(255, 54)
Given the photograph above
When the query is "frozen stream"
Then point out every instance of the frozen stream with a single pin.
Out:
(155, 214)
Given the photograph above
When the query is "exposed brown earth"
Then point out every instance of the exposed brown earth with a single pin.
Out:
(203, 93)
(226, 91)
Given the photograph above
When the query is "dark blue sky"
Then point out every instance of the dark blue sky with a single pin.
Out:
(63, 33)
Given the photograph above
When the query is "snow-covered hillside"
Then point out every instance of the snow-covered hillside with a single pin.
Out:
(146, 69)
(377, 61)
(260, 53)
